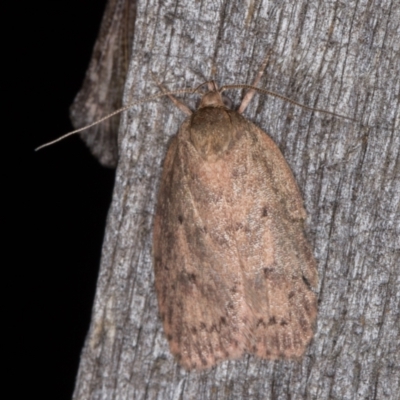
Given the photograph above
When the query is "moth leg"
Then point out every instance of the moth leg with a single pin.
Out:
(249, 94)
(183, 107)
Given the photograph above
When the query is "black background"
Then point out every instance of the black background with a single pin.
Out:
(56, 200)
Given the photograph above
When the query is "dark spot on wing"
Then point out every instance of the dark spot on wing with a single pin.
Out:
(272, 321)
(238, 226)
(261, 323)
(213, 328)
(268, 272)
(307, 283)
(186, 281)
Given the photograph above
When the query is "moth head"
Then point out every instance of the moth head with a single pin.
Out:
(212, 99)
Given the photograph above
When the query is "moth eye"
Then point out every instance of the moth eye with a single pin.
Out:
(227, 102)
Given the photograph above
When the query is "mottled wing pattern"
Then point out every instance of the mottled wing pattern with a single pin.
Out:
(103, 86)
(234, 272)
(280, 272)
(195, 299)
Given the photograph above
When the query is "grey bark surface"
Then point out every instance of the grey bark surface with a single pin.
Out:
(338, 56)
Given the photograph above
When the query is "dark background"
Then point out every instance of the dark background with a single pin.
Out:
(56, 200)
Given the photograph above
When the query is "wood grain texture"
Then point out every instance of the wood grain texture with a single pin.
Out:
(102, 89)
(342, 57)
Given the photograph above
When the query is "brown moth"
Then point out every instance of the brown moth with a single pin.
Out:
(234, 272)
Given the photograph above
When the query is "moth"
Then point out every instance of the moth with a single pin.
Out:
(234, 272)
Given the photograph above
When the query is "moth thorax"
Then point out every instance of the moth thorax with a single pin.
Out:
(211, 132)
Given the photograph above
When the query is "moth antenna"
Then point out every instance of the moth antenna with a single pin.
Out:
(201, 85)
(279, 96)
(127, 107)
(182, 106)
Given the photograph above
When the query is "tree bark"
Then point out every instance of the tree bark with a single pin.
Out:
(341, 57)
